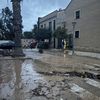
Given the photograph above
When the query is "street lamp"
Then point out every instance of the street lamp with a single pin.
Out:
(73, 24)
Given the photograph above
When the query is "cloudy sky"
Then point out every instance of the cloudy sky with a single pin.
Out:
(32, 9)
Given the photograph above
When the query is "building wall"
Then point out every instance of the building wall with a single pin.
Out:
(59, 17)
(44, 21)
(49, 22)
(88, 25)
(60, 22)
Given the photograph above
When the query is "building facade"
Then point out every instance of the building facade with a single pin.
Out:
(86, 15)
(82, 19)
(51, 22)
(61, 18)
(48, 21)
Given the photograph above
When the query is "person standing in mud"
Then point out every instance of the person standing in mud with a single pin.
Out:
(65, 46)
(62, 44)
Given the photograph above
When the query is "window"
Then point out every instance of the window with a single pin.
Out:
(78, 14)
(76, 34)
(44, 25)
(54, 25)
(41, 26)
(50, 25)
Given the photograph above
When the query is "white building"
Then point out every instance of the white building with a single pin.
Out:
(86, 15)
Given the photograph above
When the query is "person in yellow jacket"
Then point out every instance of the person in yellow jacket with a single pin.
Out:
(65, 46)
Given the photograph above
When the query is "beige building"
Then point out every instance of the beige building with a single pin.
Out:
(48, 21)
(52, 21)
(61, 18)
(85, 14)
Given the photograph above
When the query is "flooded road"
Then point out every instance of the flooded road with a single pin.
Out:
(17, 78)
(30, 79)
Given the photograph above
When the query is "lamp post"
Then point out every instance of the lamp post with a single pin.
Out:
(73, 24)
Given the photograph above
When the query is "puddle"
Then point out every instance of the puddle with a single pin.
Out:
(17, 78)
(7, 77)
(29, 75)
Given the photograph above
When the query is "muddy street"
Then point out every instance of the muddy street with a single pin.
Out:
(49, 77)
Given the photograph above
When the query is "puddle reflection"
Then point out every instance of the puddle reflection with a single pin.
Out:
(22, 78)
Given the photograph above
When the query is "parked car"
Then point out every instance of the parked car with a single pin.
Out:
(7, 44)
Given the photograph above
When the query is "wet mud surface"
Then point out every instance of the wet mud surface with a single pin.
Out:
(72, 74)
(30, 79)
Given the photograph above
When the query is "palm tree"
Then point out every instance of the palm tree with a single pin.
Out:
(17, 26)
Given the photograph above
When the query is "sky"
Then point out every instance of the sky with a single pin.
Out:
(32, 9)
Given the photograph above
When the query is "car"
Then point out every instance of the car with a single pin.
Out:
(7, 44)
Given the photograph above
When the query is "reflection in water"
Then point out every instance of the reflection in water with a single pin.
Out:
(28, 73)
(7, 77)
(28, 77)
(17, 93)
(18, 78)
(25, 77)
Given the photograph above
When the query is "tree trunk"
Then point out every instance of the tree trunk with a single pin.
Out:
(17, 26)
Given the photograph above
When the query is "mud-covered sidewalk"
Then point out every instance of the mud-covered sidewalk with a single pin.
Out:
(58, 61)
(49, 76)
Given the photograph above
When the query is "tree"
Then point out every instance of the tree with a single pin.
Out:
(28, 35)
(41, 34)
(35, 29)
(60, 33)
(17, 26)
(1, 30)
(6, 24)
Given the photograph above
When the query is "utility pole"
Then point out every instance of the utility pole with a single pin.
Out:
(17, 27)
(73, 47)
